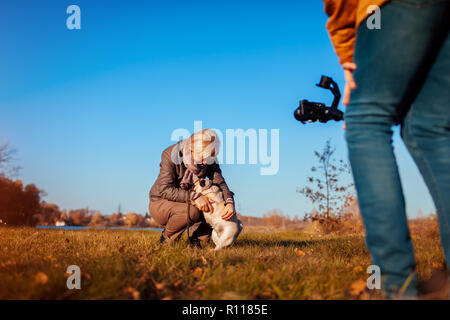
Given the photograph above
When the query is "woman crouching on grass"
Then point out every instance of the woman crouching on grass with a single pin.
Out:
(171, 196)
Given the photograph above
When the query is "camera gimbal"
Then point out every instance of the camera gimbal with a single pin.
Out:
(316, 111)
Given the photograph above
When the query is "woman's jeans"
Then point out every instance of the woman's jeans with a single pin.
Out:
(403, 77)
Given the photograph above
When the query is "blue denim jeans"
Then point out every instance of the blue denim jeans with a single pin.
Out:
(403, 77)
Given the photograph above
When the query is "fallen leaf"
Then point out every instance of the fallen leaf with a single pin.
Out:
(200, 287)
(132, 293)
(299, 252)
(49, 258)
(177, 283)
(357, 287)
(358, 269)
(159, 285)
(437, 265)
(41, 278)
(265, 295)
(197, 272)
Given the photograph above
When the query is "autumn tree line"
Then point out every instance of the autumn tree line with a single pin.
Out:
(21, 204)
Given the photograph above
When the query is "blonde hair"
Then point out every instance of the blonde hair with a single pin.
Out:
(202, 145)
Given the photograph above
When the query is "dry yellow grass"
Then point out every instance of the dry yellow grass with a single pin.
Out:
(121, 264)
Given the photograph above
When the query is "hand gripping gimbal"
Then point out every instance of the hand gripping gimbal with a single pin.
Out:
(316, 111)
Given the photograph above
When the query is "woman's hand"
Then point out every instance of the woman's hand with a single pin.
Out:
(350, 83)
(204, 204)
(229, 212)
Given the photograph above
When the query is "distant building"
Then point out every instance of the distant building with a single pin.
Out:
(60, 223)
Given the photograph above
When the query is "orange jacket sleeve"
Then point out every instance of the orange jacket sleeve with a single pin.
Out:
(341, 26)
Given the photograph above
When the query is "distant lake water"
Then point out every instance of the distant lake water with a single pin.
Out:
(99, 228)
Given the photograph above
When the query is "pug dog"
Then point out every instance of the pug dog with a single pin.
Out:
(224, 231)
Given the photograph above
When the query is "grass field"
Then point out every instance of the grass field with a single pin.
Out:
(120, 264)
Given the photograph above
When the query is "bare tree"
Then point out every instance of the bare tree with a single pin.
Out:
(7, 158)
(326, 188)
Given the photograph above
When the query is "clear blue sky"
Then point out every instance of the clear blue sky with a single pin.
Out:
(91, 110)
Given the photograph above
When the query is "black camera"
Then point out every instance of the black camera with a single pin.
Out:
(316, 111)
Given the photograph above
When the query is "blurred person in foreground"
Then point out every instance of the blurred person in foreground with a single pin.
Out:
(398, 74)
(182, 164)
